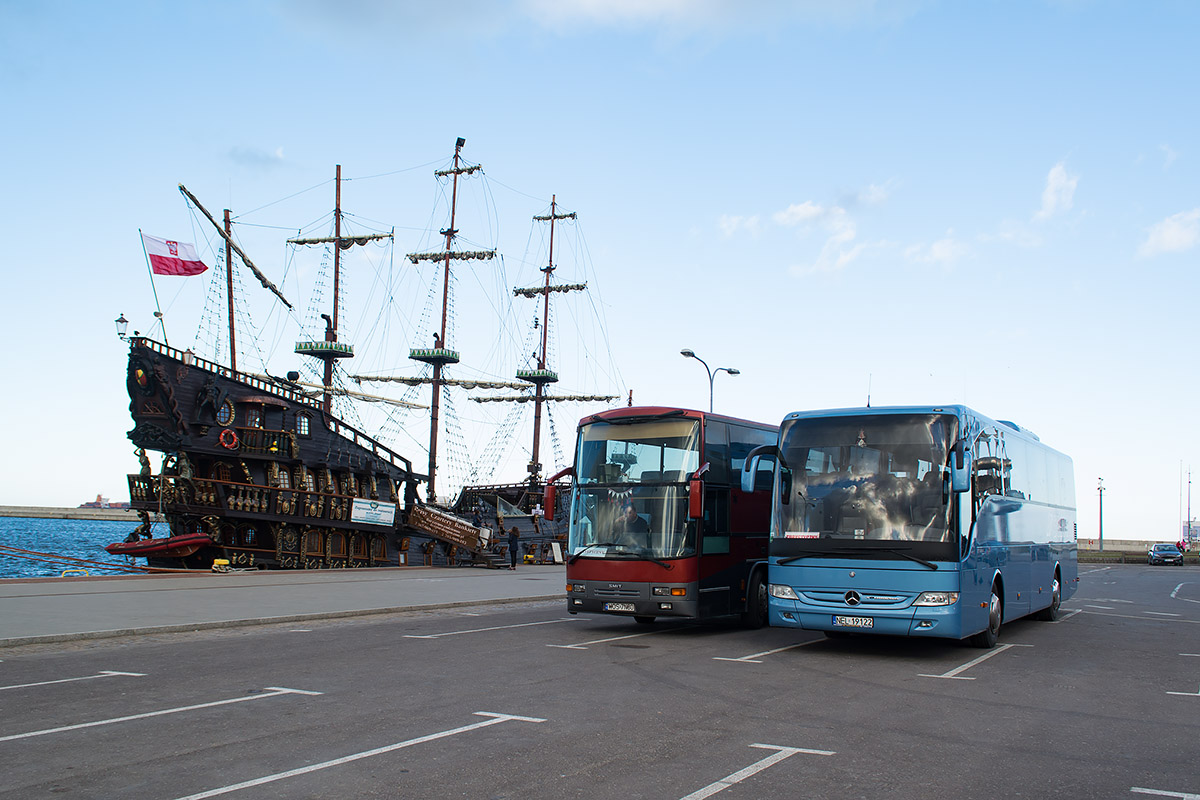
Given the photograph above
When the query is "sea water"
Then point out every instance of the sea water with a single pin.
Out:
(74, 538)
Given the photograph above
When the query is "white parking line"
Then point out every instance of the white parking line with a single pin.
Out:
(1175, 593)
(1164, 614)
(1186, 694)
(103, 674)
(272, 691)
(485, 630)
(584, 645)
(755, 658)
(494, 719)
(1105, 608)
(1066, 616)
(1143, 619)
(756, 767)
(1161, 793)
(954, 673)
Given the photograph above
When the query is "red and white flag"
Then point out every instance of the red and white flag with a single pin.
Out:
(168, 257)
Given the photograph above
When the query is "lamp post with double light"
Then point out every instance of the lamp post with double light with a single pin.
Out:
(688, 353)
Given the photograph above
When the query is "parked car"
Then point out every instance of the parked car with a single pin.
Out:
(1164, 554)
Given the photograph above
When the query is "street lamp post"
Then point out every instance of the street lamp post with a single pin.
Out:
(1101, 515)
(688, 353)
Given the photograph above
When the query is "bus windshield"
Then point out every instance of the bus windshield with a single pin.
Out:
(630, 498)
(864, 478)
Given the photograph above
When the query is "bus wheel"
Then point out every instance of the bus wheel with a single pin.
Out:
(1050, 613)
(643, 620)
(755, 615)
(987, 637)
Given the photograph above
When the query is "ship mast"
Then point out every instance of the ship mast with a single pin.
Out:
(331, 349)
(440, 355)
(542, 375)
(229, 284)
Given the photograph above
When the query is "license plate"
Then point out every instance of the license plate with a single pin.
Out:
(853, 622)
(619, 607)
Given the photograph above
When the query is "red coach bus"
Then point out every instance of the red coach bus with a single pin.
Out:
(659, 524)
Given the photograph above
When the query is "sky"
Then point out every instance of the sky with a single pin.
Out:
(910, 202)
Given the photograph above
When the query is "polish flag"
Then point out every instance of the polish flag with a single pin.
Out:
(172, 258)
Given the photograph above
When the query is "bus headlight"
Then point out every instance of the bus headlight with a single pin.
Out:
(782, 592)
(574, 587)
(936, 599)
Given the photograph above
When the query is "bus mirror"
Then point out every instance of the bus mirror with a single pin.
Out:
(548, 499)
(750, 465)
(960, 469)
(749, 470)
(785, 485)
(695, 499)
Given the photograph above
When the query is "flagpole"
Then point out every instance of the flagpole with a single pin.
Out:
(153, 288)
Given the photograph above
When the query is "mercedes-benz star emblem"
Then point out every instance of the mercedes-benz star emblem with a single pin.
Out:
(853, 598)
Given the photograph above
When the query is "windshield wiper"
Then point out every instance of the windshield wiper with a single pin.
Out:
(662, 564)
(900, 551)
(811, 553)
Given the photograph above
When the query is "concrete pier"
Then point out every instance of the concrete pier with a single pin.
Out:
(56, 512)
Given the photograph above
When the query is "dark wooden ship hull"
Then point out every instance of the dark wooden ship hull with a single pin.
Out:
(254, 472)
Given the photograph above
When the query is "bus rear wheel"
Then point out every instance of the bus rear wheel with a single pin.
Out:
(1050, 613)
(988, 636)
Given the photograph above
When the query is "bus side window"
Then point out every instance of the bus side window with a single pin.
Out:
(716, 451)
(716, 521)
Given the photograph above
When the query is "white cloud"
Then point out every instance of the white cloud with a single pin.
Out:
(875, 194)
(798, 213)
(1169, 155)
(256, 158)
(1059, 194)
(1014, 233)
(837, 252)
(731, 224)
(713, 15)
(1175, 234)
(946, 251)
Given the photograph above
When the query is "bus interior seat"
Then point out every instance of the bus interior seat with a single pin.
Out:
(650, 476)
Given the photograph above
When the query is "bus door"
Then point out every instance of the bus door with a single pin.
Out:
(716, 560)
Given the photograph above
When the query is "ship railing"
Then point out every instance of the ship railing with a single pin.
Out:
(163, 491)
(336, 426)
(268, 442)
(177, 493)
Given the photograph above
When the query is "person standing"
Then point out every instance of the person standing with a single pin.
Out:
(514, 541)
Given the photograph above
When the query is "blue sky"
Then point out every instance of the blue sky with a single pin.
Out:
(935, 202)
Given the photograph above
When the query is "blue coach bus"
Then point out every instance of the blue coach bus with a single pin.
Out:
(916, 521)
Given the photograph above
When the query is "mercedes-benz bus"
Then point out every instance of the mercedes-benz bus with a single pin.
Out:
(659, 523)
(916, 521)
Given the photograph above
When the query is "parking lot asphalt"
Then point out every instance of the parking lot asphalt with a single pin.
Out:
(521, 700)
(54, 609)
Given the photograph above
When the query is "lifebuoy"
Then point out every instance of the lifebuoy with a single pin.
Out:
(228, 438)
